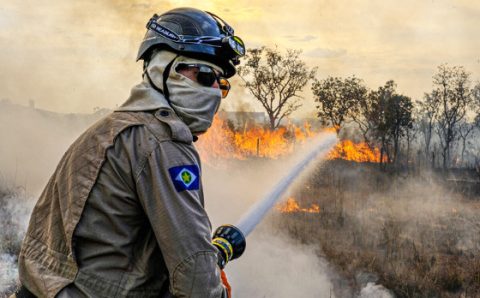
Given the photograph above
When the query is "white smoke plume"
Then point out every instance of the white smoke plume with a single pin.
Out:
(276, 266)
(8, 271)
(371, 290)
(273, 265)
(15, 209)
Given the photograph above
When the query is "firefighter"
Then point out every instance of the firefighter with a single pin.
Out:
(123, 214)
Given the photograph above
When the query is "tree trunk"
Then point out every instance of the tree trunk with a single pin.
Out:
(408, 153)
(428, 139)
(445, 156)
(272, 121)
(381, 157)
(464, 141)
(395, 150)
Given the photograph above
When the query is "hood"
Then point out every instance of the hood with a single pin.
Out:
(144, 98)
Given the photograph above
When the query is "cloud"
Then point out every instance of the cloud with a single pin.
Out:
(142, 5)
(294, 38)
(325, 53)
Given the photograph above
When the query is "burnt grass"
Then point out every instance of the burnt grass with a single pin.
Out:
(415, 232)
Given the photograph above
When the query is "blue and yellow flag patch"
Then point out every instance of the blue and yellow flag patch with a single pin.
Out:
(185, 177)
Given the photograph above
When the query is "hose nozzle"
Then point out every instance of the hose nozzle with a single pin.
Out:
(230, 242)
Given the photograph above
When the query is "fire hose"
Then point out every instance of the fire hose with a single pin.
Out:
(230, 240)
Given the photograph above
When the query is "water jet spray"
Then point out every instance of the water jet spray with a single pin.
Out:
(231, 239)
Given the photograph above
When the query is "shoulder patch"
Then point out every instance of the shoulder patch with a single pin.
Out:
(185, 177)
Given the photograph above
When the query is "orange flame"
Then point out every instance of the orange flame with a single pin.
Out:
(222, 142)
(359, 152)
(334, 129)
(291, 205)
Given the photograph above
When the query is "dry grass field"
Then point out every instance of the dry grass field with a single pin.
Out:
(408, 233)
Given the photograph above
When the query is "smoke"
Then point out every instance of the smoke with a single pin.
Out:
(273, 265)
(33, 142)
(15, 209)
(76, 55)
(8, 272)
(67, 59)
(71, 59)
(276, 266)
(411, 232)
(321, 147)
(427, 213)
(375, 291)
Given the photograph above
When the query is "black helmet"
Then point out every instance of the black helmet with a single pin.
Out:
(194, 33)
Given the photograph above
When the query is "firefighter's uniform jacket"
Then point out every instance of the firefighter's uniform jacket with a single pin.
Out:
(123, 214)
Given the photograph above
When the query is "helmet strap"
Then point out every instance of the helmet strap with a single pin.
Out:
(152, 83)
(165, 76)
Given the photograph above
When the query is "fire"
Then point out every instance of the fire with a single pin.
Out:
(222, 142)
(359, 152)
(262, 142)
(334, 129)
(217, 142)
(291, 205)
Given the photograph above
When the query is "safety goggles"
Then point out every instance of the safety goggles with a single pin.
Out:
(207, 75)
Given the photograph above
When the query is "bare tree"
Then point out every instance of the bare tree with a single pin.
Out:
(465, 130)
(337, 99)
(399, 120)
(276, 80)
(411, 135)
(427, 112)
(476, 97)
(363, 114)
(452, 91)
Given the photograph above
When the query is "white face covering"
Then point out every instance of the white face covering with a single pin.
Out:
(195, 104)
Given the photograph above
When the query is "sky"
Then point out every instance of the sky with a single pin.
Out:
(73, 56)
